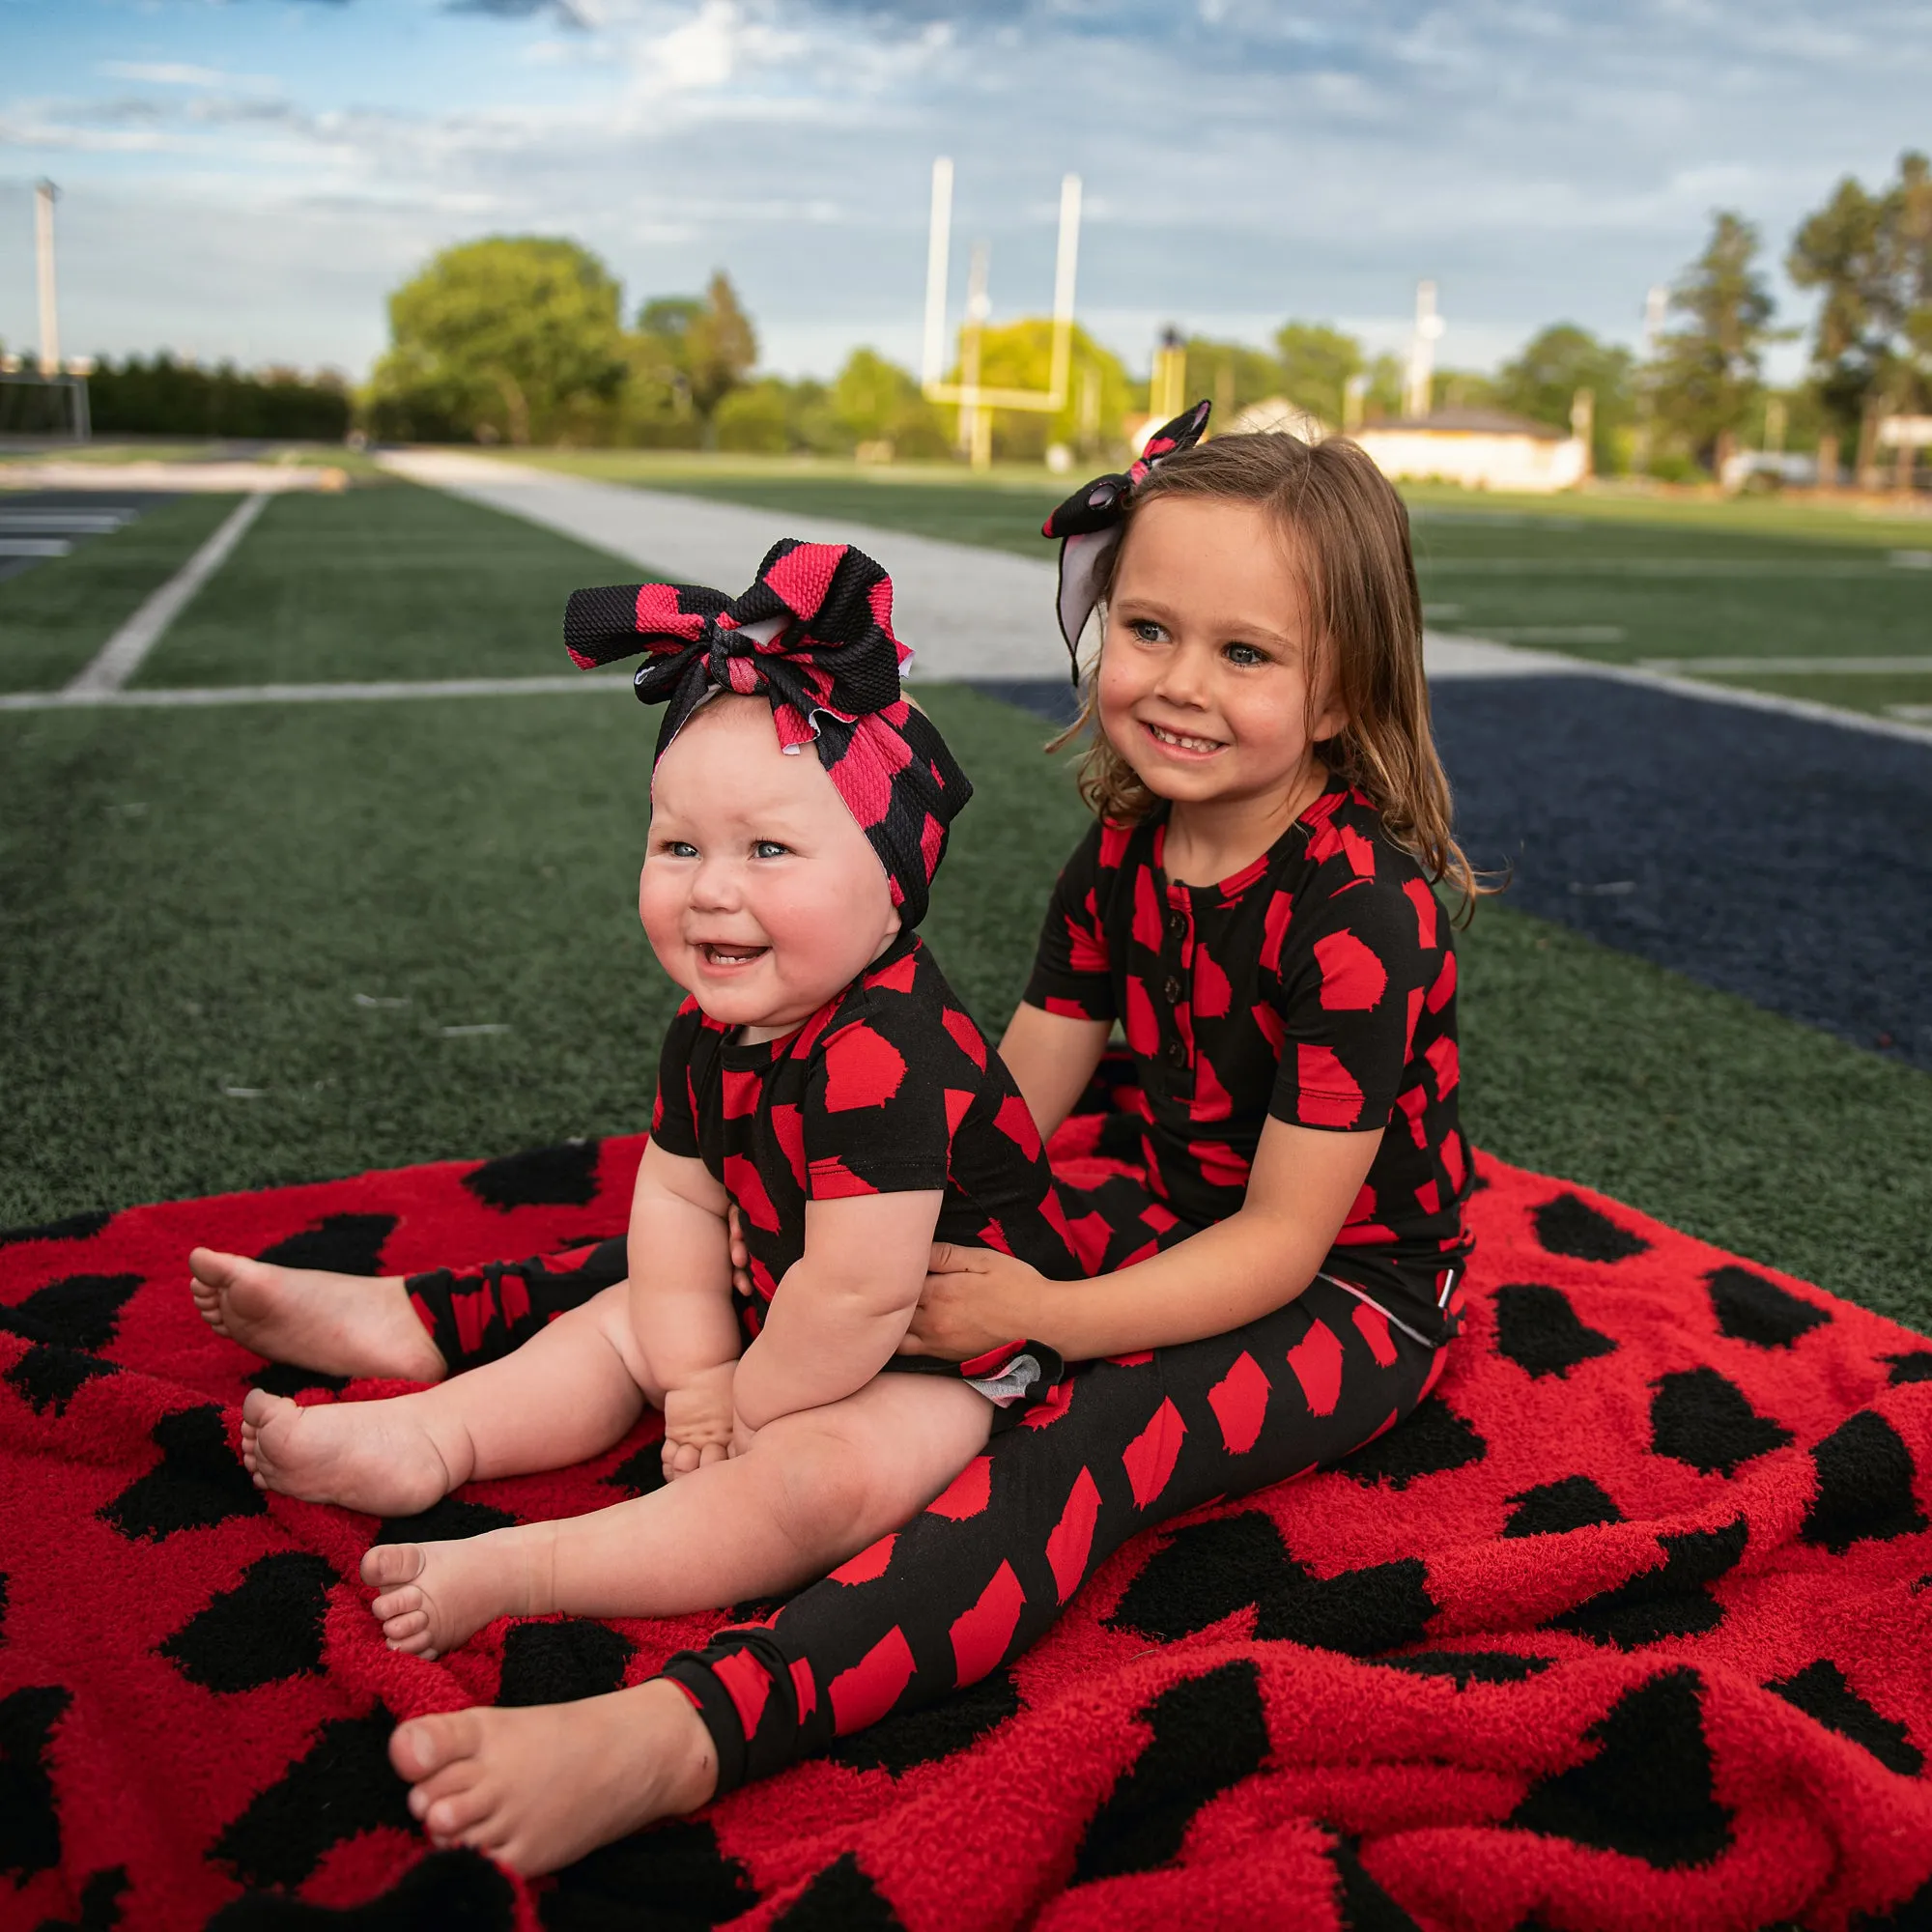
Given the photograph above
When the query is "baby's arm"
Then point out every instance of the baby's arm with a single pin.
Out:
(682, 1324)
(843, 1308)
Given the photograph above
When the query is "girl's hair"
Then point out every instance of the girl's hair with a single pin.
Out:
(1346, 533)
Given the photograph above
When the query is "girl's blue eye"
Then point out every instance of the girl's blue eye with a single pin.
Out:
(1245, 654)
(1148, 631)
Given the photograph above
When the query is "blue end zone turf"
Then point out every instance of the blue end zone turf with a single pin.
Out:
(1786, 860)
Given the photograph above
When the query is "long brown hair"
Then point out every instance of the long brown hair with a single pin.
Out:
(1346, 531)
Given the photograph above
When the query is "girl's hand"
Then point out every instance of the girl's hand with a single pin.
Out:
(699, 1421)
(974, 1299)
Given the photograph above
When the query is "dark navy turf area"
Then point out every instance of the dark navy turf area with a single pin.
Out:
(1774, 857)
(1779, 859)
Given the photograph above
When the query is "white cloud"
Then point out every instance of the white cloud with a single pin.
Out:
(176, 73)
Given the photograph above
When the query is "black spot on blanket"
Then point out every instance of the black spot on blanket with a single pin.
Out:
(1361, 1905)
(1700, 1419)
(1570, 1226)
(338, 1245)
(284, 1379)
(1210, 1732)
(1914, 1366)
(1751, 1308)
(30, 1839)
(906, 1738)
(1360, 1613)
(559, 1662)
(1646, 1790)
(49, 1377)
(1864, 1486)
(841, 1899)
(73, 1228)
(564, 1175)
(99, 1903)
(447, 1521)
(267, 1629)
(81, 1311)
(198, 1481)
(1821, 1692)
(640, 1472)
(1910, 1915)
(1541, 1333)
(1428, 1442)
(341, 1786)
(1549, 1509)
(448, 1892)
(1669, 1599)
(1205, 1571)
(670, 1878)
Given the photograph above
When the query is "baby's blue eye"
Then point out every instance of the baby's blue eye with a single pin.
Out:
(768, 848)
(679, 848)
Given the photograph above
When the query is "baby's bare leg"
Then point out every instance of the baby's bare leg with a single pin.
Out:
(566, 1394)
(813, 1488)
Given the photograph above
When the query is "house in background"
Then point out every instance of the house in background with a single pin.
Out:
(1481, 449)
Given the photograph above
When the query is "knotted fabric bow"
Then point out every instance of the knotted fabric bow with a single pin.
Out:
(814, 636)
(1090, 525)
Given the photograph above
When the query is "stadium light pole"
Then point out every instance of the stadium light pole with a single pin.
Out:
(45, 194)
(1429, 326)
(938, 247)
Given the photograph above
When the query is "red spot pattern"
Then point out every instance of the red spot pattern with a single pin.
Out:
(861, 1070)
(1325, 1093)
(981, 1636)
(865, 1693)
(1074, 1535)
(1152, 1455)
(870, 1562)
(1317, 1364)
(967, 1493)
(1239, 1402)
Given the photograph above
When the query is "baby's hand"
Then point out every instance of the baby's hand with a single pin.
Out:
(697, 1422)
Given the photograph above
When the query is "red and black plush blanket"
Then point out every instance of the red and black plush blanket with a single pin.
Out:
(1631, 1625)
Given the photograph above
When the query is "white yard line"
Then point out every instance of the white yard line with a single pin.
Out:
(161, 698)
(1812, 667)
(122, 655)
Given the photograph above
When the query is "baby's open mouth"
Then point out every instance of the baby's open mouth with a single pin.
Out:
(731, 955)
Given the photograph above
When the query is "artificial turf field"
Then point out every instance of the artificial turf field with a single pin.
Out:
(258, 944)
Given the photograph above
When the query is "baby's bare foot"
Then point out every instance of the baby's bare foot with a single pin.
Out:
(437, 1595)
(343, 1325)
(373, 1455)
(537, 1788)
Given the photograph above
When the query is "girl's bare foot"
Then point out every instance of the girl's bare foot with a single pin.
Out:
(438, 1595)
(371, 1456)
(538, 1787)
(343, 1325)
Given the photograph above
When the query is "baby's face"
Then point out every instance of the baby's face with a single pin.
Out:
(759, 894)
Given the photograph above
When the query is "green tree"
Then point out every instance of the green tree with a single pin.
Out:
(1019, 355)
(1837, 250)
(719, 345)
(1542, 382)
(508, 336)
(1709, 370)
(1231, 375)
(1315, 362)
(875, 401)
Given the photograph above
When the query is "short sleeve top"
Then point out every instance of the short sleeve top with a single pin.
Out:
(889, 1088)
(1316, 986)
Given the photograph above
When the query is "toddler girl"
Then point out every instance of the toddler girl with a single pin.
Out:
(824, 1078)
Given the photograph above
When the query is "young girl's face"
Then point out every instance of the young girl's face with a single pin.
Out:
(1206, 684)
(759, 894)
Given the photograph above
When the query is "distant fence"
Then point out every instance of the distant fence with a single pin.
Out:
(33, 405)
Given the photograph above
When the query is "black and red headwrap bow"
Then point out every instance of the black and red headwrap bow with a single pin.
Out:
(1089, 523)
(814, 636)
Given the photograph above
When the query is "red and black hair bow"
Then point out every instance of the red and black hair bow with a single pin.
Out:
(814, 636)
(1090, 523)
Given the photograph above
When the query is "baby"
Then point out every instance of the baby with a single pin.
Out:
(822, 1078)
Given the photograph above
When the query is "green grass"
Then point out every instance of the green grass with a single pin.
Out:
(54, 617)
(396, 582)
(191, 902)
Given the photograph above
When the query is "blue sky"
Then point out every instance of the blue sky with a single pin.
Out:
(251, 179)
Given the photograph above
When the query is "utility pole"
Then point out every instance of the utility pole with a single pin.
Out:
(976, 422)
(1654, 303)
(45, 194)
(1429, 326)
(938, 248)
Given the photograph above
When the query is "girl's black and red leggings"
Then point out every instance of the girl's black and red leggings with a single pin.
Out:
(984, 1571)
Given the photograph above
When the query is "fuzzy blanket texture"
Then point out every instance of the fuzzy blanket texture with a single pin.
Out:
(1628, 1626)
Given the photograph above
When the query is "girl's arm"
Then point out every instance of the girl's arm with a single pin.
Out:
(843, 1308)
(1052, 1058)
(1301, 1187)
